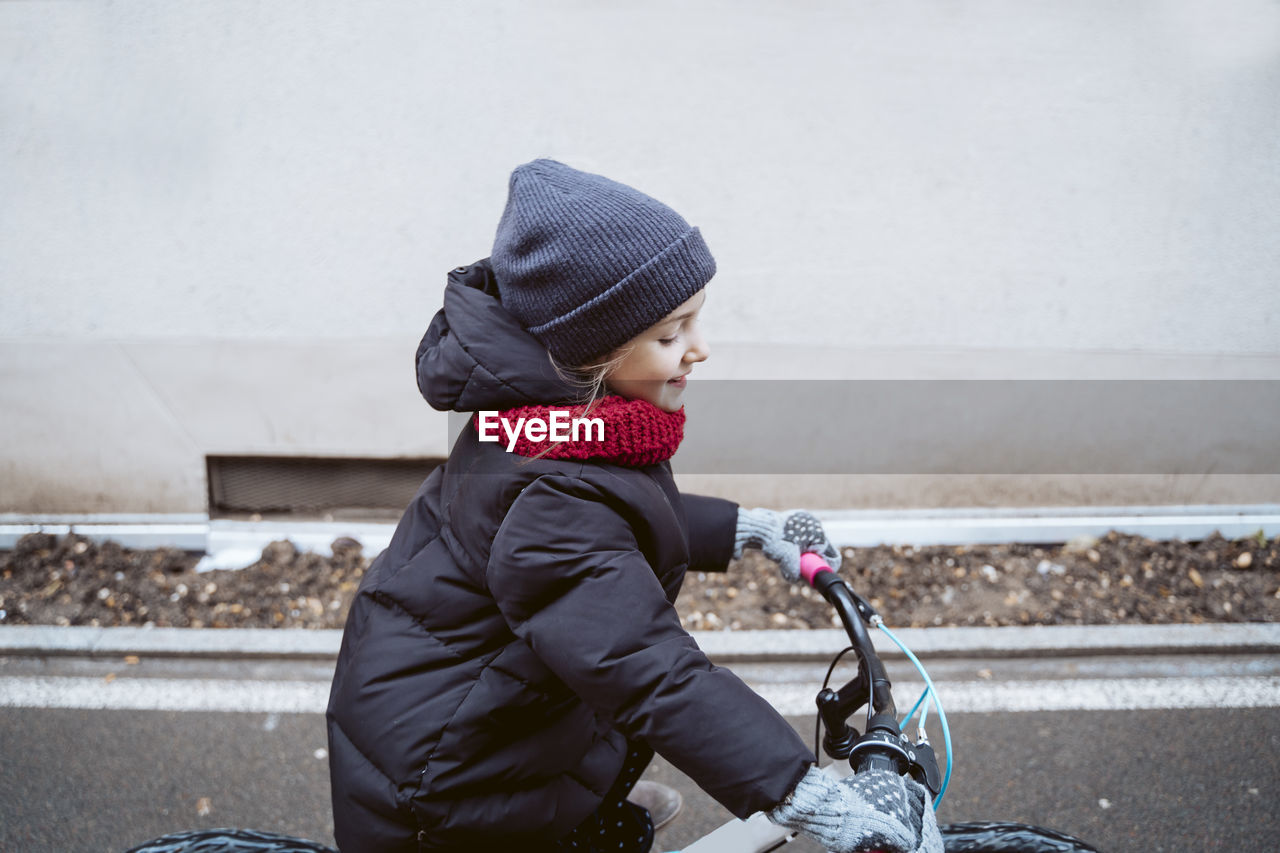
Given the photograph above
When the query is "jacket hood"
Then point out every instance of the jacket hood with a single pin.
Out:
(476, 355)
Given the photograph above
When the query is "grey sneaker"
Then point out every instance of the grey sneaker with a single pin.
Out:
(662, 803)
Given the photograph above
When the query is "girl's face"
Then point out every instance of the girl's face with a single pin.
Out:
(659, 358)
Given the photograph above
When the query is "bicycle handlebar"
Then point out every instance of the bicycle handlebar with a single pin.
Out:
(883, 746)
(811, 564)
(852, 611)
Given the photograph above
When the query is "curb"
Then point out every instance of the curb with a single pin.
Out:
(721, 646)
(232, 544)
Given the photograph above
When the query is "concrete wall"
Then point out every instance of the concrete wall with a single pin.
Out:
(223, 226)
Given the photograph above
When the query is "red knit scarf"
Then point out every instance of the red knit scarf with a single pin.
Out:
(636, 432)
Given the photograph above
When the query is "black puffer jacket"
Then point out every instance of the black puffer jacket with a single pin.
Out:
(519, 629)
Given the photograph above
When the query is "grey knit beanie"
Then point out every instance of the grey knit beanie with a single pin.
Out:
(586, 263)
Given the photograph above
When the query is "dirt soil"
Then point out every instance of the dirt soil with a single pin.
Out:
(1115, 579)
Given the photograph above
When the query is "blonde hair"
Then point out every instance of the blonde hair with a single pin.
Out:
(589, 379)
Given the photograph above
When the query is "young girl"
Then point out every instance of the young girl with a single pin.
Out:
(513, 659)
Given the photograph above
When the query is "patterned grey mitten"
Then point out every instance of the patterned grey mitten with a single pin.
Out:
(783, 537)
(876, 810)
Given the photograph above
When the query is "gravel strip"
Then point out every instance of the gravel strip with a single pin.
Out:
(1111, 580)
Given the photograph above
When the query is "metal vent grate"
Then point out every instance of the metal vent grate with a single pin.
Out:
(272, 484)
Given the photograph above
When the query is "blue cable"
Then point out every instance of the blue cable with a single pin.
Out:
(933, 697)
(914, 708)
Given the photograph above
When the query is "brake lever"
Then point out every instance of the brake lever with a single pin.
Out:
(924, 766)
(865, 610)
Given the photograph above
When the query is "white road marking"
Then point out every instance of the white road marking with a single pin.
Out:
(310, 697)
(1111, 694)
(164, 694)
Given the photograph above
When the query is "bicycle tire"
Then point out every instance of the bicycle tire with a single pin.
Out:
(981, 837)
(229, 841)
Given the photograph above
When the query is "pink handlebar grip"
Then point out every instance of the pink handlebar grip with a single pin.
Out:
(810, 565)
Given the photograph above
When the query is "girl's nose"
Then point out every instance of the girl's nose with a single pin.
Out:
(698, 350)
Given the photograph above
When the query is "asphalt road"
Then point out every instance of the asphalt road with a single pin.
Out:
(84, 778)
(79, 780)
